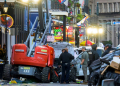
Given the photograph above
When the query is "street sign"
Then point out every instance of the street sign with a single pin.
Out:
(113, 23)
(50, 38)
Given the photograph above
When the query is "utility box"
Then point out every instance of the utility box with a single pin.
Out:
(108, 82)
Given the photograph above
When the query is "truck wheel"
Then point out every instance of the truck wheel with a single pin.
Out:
(7, 71)
(46, 75)
(55, 76)
(72, 74)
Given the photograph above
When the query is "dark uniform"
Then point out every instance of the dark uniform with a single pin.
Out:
(94, 56)
(66, 59)
(108, 50)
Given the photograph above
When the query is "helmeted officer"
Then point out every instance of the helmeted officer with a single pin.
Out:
(108, 48)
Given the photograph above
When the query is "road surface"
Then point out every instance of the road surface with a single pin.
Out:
(45, 85)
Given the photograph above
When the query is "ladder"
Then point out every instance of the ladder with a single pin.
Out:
(40, 41)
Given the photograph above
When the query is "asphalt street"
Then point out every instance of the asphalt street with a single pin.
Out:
(45, 85)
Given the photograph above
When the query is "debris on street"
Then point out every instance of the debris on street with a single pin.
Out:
(107, 67)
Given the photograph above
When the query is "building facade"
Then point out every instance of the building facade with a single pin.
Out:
(109, 12)
(16, 33)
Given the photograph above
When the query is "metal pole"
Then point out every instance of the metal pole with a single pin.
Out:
(86, 37)
(19, 30)
(40, 16)
(67, 36)
(64, 28)
(15, 24)
(118, 36)
(47, 9)
(6, 34)
(28, 18)
(28, 22)
(74, 12)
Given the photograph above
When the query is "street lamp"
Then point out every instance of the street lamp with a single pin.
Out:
(28, 0)
(36, 0)
(100, 31)
(95, 31)
(25, 0)
(5, 8)
(67, 33)
(89, 30)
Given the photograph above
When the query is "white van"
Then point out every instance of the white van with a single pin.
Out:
(79, 71)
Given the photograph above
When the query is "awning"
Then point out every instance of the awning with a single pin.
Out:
(57, 20)
(59, 13)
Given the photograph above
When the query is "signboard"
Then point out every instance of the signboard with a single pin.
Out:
(50, 38)
(9, 19)
(58, 34)
(33, 16)
(113, 23)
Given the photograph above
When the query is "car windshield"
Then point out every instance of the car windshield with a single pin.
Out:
(99, 51)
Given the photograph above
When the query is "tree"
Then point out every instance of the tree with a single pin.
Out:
(70, 3)
(69, 19)
(79, 17)
(107, 42)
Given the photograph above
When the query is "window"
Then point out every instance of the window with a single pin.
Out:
(110, 7)
(119, 6)
(115, 8)
(100, 7)
(105, 7)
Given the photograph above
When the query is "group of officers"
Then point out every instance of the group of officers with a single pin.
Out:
(86, 60)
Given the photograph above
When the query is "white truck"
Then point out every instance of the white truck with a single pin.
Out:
(77, 59)
(76, 68)
(58, 46)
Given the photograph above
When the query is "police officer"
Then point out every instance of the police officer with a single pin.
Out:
(66, 58)
(94, 56)
(84, 63)
(63, 50)
(108, 48)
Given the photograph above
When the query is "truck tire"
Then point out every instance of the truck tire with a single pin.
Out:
(55, 76)
(72, 76)
(7, 71)
(46, 75)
